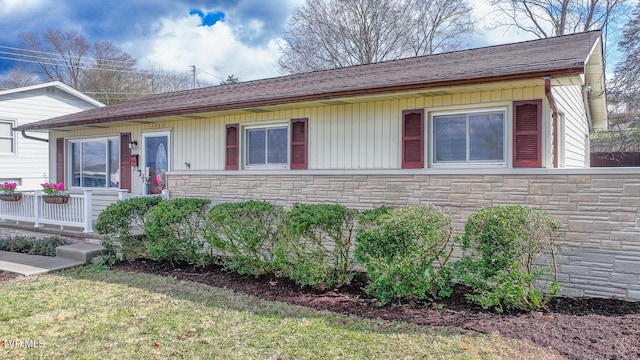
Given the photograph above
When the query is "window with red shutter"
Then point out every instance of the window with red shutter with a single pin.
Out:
(125, 161)
(413, 139)
(298, 144)
(232, 147)
(60, 160)
(527, 133)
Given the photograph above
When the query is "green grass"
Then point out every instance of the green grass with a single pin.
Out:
(91, 314)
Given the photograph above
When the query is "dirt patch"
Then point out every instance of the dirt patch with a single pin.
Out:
(6, 276)
(576, 328)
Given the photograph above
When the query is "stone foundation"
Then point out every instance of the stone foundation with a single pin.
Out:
(598, 210)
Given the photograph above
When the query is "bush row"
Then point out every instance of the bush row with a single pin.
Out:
(508, 256)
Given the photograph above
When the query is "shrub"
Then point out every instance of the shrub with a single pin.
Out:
(316, 250)
(507, 250)
(244, 233)
(32, 246)
(176, 229)
(122, 224)
(402, 249)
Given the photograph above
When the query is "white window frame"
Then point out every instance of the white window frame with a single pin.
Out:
(505, 110)
(244, 143)
(69, 147)
(12, 124)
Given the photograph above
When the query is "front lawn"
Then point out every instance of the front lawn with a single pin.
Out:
(92, 314)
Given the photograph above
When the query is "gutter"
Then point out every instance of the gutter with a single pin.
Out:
(24, 135)
(554, 117)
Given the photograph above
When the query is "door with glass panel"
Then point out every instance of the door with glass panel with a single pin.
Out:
(156, 162)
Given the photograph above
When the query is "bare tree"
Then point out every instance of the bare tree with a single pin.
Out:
(627, 73)
(61, 55)
(440, 25)
(112, 72)
(325, 34)
(19, 77)
(546, 18)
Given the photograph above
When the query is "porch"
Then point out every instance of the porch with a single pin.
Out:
(79, 212)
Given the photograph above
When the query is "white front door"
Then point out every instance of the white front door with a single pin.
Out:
(156, 161)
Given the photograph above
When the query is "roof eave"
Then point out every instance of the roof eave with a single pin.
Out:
(569, 71)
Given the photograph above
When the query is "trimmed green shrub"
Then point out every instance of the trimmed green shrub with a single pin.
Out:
(122, 225)
(402, 250)
(45, 247)
(316, 250)
(176, 229)
(244, 234)
(507, 251)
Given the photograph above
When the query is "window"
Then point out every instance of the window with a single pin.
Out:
(474, 137)
(7, 142)
(267, 146)
(95, 163)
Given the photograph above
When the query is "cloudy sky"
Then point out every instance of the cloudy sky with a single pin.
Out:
(219, 37)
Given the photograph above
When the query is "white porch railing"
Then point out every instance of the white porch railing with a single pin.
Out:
(31, 208)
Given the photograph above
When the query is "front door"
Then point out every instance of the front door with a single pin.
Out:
(156, 155)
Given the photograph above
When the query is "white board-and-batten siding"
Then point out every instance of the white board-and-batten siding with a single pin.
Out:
(28, 164)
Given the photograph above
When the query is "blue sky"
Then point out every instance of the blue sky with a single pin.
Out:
(220, 37)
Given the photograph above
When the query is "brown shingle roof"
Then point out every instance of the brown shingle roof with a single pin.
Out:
(562, 55)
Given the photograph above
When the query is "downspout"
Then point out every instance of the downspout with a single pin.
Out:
(586, 91)
(554, 118)
(24, 135)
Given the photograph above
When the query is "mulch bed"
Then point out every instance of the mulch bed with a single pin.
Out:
(576, 328)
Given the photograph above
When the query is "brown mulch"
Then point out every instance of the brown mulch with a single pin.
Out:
(576, 328)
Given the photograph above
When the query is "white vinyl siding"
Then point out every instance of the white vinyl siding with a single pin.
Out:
(575, 133)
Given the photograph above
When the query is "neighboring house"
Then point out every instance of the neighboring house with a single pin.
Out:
(24, 160)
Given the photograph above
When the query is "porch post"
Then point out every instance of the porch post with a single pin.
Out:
(88, 206)
(37, 208)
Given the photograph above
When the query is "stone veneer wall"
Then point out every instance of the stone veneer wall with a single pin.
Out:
(598, 210)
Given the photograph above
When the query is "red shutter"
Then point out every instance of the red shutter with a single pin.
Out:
(125, 161)
(413, 139)
(59, 160)
(527, 133)
(298, 144)
(232, 147)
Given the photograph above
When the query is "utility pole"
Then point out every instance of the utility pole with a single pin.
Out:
(193, 67)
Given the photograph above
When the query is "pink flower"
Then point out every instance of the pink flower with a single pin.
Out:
(52, 188)
(8, 187)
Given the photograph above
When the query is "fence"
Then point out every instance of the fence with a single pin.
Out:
(32, 208)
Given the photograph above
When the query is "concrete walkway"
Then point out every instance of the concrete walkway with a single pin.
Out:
(67, 256)
(33, 264)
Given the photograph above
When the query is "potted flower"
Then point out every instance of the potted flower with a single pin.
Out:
(53, 193)
(8, 192)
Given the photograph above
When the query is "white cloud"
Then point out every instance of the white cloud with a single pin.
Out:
(180, 43)
(15, 7)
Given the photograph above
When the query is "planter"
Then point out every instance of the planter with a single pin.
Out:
(56, 199)
(11, 197)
